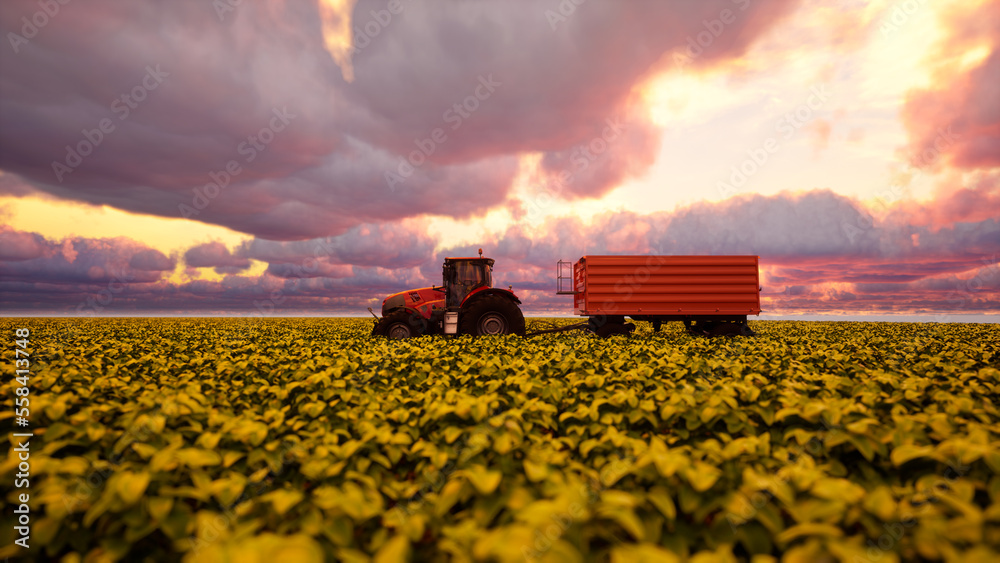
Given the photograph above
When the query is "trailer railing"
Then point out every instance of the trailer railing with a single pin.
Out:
(564, 278)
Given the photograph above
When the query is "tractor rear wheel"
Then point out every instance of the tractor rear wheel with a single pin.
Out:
(492, 314)
(399, 325)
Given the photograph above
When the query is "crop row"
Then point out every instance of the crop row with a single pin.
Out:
(206, 439)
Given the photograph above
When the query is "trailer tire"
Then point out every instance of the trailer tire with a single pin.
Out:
(611, 329)
(400, 324)
(492, 314)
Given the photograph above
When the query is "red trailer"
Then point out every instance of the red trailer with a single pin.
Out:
(712, 295)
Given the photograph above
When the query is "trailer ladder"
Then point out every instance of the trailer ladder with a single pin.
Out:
(563, 279)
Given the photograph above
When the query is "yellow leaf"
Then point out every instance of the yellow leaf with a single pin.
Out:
(810, 529)
(449, 495)
(663, 502)
(283, 500)
(907, 452)
(535, 472)
(452, 433)
(503, 443)
(485, 481)
(159, 507)
(195, 457)
(881, 503)
(642, 553)
(838, 489)
(130, 486)
(227, 490)
(396, 550)
(702, 476)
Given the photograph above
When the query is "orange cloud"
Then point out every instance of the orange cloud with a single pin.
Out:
(957, 122)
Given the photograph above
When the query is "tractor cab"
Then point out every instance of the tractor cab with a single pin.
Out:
(462, 276)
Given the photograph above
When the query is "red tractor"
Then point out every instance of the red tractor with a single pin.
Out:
(467, 303)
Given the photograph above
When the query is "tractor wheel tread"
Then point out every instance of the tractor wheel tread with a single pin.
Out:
(474, 311)
(416, 324)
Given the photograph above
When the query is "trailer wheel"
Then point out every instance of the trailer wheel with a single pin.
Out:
(611, 329)
(492, 314)
(700, 328)
(400, 324)
(726, 328)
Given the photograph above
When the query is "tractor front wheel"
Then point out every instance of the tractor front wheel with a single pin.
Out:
(492, 314)
(399, 325)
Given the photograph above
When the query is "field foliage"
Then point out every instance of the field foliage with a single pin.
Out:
(304, 440)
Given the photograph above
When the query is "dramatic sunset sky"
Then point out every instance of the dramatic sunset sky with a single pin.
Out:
(287, 157)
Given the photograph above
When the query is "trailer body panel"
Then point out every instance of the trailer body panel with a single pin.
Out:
(667, 286)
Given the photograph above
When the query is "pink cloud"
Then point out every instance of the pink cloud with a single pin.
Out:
(215, 255)
(958, 120)
(827, 254)
(248, 123)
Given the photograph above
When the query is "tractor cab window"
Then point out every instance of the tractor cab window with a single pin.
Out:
(467, 273)
(466, 276)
